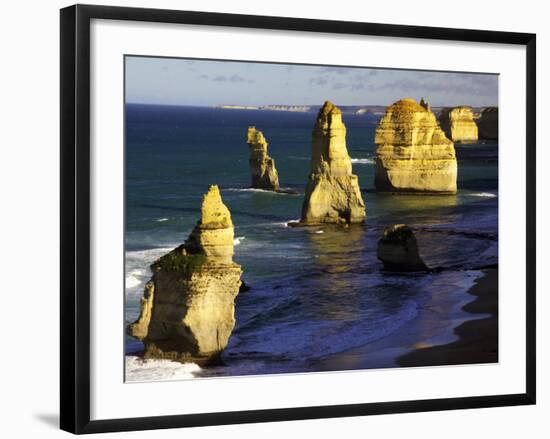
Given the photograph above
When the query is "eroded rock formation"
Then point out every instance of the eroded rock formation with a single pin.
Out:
(262, 167)
(398, 250)
(458, 124)
(187, 311)
(413, 154)
(332, 192)
(487, 124)
(425, 104)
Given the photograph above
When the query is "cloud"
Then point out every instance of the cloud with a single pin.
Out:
(320, 80)
(339, 86)
(336, 70)
(220, 78)
(239, 78)
(445, 83)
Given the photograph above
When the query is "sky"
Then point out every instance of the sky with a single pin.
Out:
(177, 81)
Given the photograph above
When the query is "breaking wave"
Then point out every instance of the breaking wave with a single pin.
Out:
(238, 240)
(139, 370)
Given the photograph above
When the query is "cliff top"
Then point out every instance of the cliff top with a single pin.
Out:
(255, 137)
(398, 233)
(329, 117)
(408, 105)
(214, 214)
(329, 108)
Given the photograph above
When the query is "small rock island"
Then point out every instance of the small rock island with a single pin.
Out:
(262, 167)
(332, 192)
(458, 124)
(398, 250)
(187, 309)
(413, 154)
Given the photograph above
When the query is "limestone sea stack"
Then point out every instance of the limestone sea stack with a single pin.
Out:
(458, 124)
(262, 167)
(413, 154)
(398, 250)
(187, 310)
(332, 192)
(488, 124)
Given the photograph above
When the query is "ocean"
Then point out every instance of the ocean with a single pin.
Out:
(316, 292)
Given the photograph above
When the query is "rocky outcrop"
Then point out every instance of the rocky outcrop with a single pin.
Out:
(332, 192)
(413, 154)
(398, 250)
(425, 104)
(262, 167)
(458, 124)
(187, 311)
(487, 124)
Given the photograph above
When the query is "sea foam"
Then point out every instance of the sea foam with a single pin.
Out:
(483, 194)
(139, 370)
(363, 161)
(287, 224)
(249, 189)
(137, 271)
(238, 240)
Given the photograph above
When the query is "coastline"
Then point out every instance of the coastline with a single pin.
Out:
(478, 339)
(467, 334)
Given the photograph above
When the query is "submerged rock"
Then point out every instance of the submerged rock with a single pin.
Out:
(332, 192)
(187, 311)
(413, 154)
(458, 124)
(398, 250)
(262, 167)
(487, 124)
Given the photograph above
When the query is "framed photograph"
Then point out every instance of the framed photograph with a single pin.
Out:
(268, 218)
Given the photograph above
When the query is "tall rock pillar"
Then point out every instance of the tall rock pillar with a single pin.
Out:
(262, 167)
(332, 192)
(187, 311)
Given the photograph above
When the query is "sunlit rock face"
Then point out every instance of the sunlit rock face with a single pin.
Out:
(332, 192)
(398, 250)
(262, 167)
(413, 153)
(487, 124)
(458, 124)
(187, 311)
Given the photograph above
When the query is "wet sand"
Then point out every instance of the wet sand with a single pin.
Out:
(478, 339)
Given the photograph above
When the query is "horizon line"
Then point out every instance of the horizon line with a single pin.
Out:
(292, 105)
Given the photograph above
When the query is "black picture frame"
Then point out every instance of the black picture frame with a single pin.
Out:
(75, 217)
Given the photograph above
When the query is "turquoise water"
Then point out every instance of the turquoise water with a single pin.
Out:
(314, 291)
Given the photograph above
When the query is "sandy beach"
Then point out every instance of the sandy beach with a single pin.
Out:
(478, 339)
